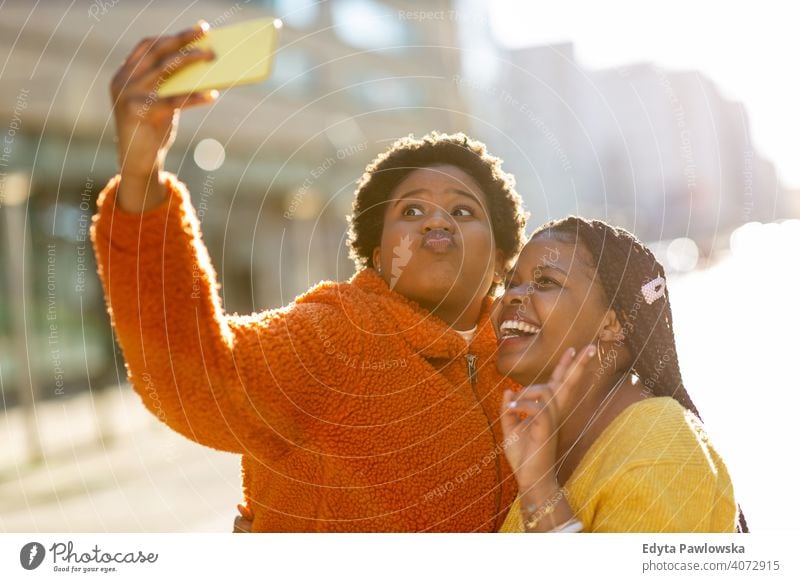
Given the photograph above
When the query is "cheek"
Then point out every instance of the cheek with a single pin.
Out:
(477, 238)
(571, 321)
(556, 313)
(391, 236)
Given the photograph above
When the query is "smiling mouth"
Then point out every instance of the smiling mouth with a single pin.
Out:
(515, 329)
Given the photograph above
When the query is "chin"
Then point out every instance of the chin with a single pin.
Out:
(430, 294)
(434, 283)
(520, 368)
(513, 366)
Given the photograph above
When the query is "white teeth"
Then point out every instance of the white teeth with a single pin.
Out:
(523, 326)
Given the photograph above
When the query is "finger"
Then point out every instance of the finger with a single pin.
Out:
(541, 392)
(574, 378)
(571, 363)
(245, 511)
(151, 49)
(528, 410)
(563, 365)
(579, 365)
(528, 402)
(140, 50)
(530, 405)
(508, 420)
(242, 525)
(171, 65)
(157, 48)
(190, 100)
(244, 521)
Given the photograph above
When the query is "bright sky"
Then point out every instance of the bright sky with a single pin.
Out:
(751, 50)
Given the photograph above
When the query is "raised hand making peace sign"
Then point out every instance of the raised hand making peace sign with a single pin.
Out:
(532, 417)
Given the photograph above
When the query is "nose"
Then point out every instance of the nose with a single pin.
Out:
(438, 218)
(516, 295)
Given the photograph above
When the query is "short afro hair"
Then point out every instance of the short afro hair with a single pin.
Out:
(408, 154)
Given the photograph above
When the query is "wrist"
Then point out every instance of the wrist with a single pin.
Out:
(538, 488)
(141, 192)
(544, 508)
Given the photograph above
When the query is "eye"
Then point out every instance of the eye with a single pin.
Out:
(543, 281)
(412, 210)
(463, 211)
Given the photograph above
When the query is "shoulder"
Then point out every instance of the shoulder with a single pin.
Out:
(327, 310)
(653, 458)
(315, 306)
(654, 431)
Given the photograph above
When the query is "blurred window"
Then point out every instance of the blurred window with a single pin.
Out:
(293, 73)
(378, 88)
(296, 13)
(368, 24)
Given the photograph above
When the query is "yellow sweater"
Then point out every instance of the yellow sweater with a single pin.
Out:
(652, 470)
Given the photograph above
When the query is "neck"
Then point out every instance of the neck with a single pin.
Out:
(590, 418)
(460, 317)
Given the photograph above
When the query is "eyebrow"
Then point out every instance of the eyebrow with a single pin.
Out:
(553, 267)
(421, 190)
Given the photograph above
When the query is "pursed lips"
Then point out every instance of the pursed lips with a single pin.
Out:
(438, 240)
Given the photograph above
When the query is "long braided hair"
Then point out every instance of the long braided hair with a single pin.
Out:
(623, 266)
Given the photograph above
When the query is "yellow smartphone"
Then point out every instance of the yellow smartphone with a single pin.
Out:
(244, 54)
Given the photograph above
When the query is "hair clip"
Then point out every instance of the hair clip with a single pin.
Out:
(655, 289)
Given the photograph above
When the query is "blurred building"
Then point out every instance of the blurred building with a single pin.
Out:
(660, 152)
(350, 77)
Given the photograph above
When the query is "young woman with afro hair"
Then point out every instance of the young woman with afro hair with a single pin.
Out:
(364, 405)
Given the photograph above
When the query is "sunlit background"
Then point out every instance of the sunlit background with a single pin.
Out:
(678, 122)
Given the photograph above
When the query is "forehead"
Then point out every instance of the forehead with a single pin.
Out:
(436, 179)
(546, 250)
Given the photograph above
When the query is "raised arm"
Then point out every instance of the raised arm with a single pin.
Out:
(161, 292)
(160, 287)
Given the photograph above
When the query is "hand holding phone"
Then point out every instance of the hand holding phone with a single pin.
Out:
(147, 122)
(243, 54)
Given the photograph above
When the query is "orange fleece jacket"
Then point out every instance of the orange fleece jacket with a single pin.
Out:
(352, 407)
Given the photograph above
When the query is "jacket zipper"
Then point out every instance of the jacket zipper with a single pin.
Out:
(472, 369)
(472, 373)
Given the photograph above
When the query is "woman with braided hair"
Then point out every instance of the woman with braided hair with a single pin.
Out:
(605, 439)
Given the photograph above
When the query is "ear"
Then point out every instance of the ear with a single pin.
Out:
(376, 258)
(611, 328)
(499, 272)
